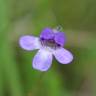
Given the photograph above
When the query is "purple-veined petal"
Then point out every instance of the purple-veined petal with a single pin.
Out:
(60, 38)
(29, 42)
(47, 33)
(63, 55)
(42, 60)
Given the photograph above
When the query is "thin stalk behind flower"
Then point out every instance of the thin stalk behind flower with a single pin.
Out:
(37, 85)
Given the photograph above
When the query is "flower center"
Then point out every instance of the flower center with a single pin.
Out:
(49, 43)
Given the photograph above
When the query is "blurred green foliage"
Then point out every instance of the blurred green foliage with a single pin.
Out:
(20, 17)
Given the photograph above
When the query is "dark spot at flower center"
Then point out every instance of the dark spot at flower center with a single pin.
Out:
(49, 42)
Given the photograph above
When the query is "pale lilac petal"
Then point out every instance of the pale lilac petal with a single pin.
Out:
(47, 33)
(60, 38)
(29, 42)
(42, 60)
(63, 55)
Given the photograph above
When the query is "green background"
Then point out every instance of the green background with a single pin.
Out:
(21, 17)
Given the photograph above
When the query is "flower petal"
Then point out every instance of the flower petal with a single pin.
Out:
(60, 38)
(29, 42)
(42, 60)
(47, 33)
(63, 55)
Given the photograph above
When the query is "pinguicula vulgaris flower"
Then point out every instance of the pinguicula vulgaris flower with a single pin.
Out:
(50, 43)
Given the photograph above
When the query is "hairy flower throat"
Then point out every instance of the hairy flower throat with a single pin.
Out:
(49, 43)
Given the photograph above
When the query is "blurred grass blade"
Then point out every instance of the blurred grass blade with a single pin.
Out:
(6, 58)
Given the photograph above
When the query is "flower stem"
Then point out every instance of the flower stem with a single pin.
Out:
(37, 85)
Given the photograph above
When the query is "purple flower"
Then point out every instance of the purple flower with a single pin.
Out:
(50, 42)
